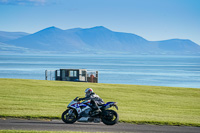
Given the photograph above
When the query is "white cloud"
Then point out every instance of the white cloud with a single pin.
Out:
(23, 2)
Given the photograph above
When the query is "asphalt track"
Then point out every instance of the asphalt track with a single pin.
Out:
(58, 125)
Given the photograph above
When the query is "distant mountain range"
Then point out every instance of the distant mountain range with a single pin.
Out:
(98, 40)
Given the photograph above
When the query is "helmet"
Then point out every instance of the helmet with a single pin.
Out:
(88, 92)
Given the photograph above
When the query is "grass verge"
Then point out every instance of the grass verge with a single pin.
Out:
(21, 98)
(29, 131)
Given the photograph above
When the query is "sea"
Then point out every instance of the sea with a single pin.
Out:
(154, 70)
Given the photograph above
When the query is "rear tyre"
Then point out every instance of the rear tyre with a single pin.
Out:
(69, 116)
(110, 117)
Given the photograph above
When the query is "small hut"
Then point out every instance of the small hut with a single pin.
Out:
(79, 75)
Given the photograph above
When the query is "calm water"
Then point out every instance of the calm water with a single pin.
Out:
(181, 71)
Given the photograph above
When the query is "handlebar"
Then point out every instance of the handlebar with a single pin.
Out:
(76, 99)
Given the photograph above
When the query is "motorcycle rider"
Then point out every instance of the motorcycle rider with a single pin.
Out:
(95, 100)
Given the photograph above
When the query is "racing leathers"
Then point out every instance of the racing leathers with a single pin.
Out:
(95, 100)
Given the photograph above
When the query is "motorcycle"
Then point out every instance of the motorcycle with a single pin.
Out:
(82, 112)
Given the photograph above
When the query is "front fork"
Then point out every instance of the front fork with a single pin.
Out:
(70, 112)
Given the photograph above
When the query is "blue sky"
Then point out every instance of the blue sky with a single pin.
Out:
(152, 19)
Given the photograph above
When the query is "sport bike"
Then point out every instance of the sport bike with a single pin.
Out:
(82, 112)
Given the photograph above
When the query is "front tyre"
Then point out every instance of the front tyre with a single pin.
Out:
(110, 117)
(69, 116)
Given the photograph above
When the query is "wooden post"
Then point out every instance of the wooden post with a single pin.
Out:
(97, 76)
(46, 74)
(56, 74)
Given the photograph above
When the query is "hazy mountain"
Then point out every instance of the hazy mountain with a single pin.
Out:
(7, 36)
(104, 39)
(6, 49)
(100, 40)
(179, 45)
(51, 39)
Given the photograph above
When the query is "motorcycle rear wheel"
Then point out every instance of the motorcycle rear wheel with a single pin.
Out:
(110, 117)
(69, 118)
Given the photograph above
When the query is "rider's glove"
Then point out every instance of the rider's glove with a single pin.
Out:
(80, 99)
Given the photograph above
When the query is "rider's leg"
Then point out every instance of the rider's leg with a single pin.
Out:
(95, 107)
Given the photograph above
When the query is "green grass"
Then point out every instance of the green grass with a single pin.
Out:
(137, 104)
(29, 131)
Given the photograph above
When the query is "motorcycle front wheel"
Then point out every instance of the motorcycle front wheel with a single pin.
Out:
(110, 117)
(69, 116)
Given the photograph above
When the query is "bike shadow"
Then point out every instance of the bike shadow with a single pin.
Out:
(60, 123)
(39, 122)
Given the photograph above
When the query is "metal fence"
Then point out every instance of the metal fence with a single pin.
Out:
(49, 74)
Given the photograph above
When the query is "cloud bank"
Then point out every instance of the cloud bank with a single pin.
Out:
(23, 2)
